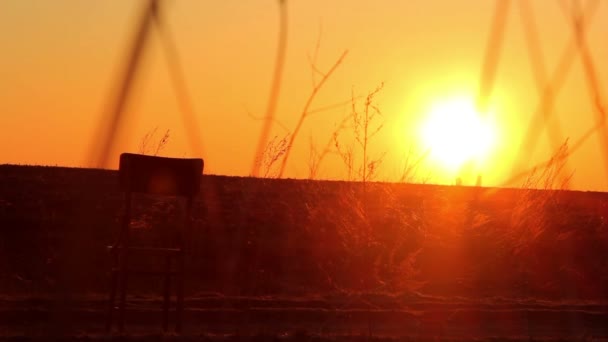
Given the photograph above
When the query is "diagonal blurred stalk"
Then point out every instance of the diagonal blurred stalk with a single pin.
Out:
(492, 54)
(107, 137)
(184, 100)
(593, 83)
(490, 60)
(580, 20)
(274, 90)
(554, 84)
(533, 45)
(539, 70)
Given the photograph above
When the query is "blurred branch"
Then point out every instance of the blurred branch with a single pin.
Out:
(539, 70)
(316, 158)
(313, 60)
(554, 84)
(493, 52)
(593, 83)
(273, 98)
(177, 75)
(107, 136)
(305, 112)
(275, 120)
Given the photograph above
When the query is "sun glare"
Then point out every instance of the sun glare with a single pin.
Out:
(455, 134)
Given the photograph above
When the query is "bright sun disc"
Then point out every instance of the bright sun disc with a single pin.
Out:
(455, 133)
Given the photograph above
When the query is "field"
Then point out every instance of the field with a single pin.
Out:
(296, 260)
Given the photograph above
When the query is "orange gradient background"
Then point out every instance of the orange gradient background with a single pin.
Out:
(60, 62)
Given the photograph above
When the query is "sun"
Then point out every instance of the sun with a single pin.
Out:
(455, 134)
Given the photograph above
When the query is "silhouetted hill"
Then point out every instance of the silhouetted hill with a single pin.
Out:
(294, 237)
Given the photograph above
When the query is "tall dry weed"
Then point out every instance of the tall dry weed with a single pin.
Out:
(355, 154)
(371, 244)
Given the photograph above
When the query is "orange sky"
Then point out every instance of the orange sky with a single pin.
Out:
(60, 62)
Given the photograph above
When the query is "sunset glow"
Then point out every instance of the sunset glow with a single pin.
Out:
(213, 73)
(455, 133)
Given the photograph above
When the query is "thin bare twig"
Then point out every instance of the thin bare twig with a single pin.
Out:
(363, 134)
(305, 112)
(319, 157)
(274, 120)
(408, 168)
(313, 60)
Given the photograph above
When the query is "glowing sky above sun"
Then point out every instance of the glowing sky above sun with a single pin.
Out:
(61, 59)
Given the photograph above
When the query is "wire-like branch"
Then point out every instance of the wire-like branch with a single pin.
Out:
(331, 106)
(327, 148)
(305, 112)
(274, 120)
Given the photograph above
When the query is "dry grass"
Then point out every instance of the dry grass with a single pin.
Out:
(535, 211)
(273, 153)
(152, 144)
(316, 251)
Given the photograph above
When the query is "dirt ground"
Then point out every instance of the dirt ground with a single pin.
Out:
(217, 317)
